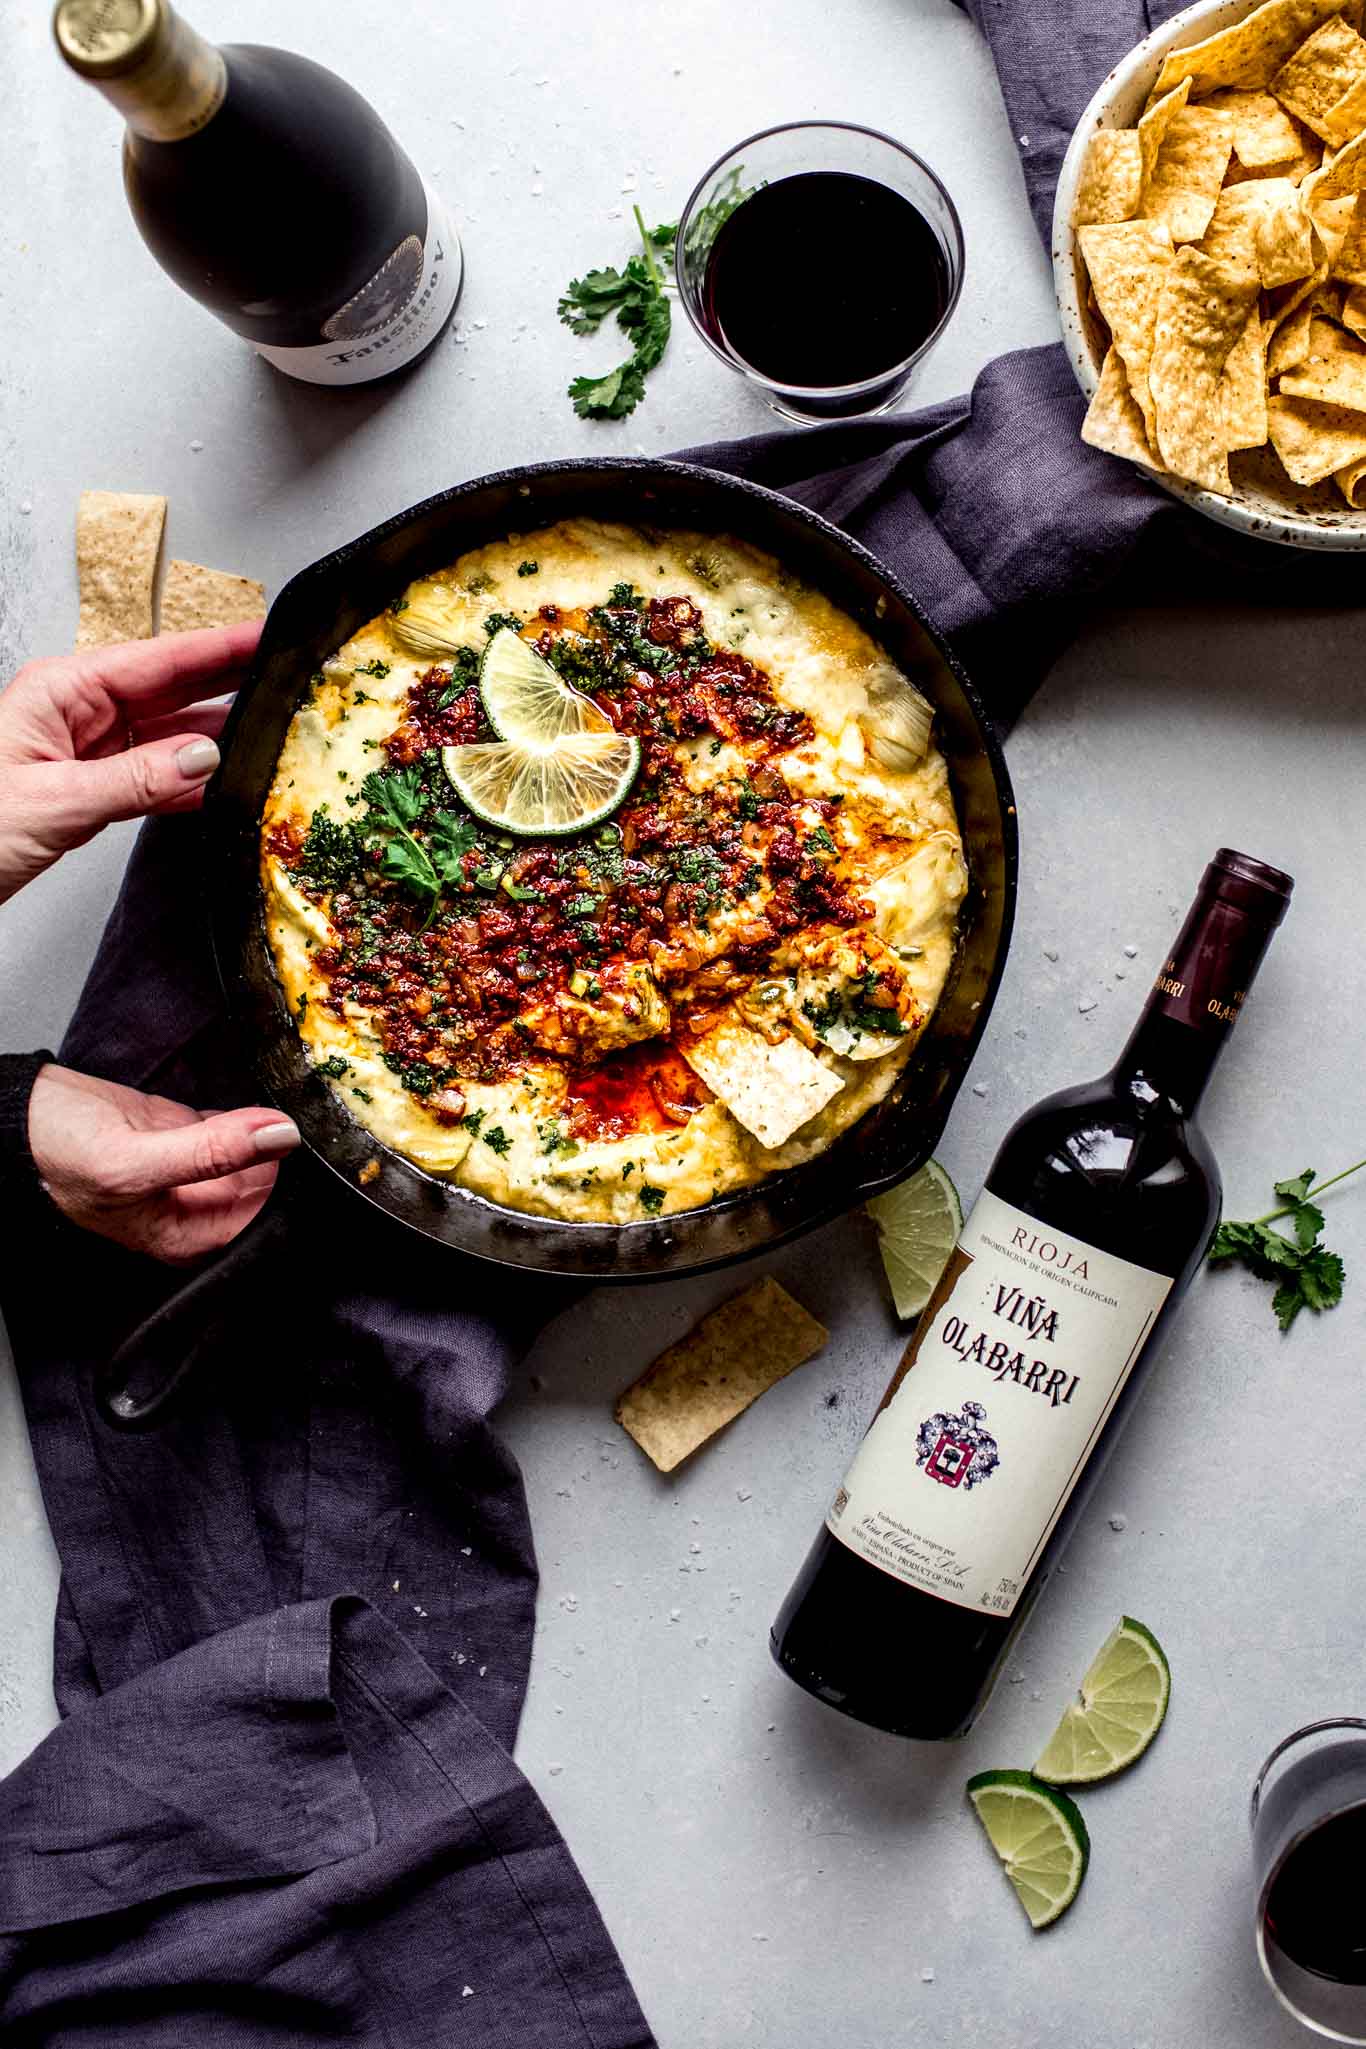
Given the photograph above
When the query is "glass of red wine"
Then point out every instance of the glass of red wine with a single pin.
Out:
(1308, 1849)
(822, 261)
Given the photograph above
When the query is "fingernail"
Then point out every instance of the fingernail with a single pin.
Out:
(273, 1139)
(197, 759)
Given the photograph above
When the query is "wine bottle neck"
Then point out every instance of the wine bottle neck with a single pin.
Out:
(1199, 989)
(163, 77)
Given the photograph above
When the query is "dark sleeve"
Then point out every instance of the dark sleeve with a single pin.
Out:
(18, 1072)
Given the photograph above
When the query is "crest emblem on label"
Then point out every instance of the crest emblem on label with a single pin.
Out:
(956, 1450)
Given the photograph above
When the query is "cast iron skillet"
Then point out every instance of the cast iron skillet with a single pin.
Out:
(326, 603)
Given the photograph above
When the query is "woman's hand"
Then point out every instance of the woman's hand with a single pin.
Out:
(110, 733)
(149, 1173)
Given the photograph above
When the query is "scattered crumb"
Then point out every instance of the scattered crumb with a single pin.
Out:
(927, 1975)
(1087, 1003)
(555, 1770)
(196, 447)
(1050, 953)
(1131, 953)
(369, 1172)
(743, 1494)
(979, 1088)
(26, 505)
(1119, 1522)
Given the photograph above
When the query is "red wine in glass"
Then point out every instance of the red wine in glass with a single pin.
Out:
(827, 283)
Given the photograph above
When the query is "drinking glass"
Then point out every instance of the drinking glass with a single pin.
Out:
(1314, 1780)
(785, 152)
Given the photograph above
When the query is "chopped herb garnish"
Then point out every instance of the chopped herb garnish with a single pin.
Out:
(376, 668)
(635, 295)
(496, 621)
(334, 1067)
(1306, 1273)
(363, 1096)
(527, 568)
(650, 1199)
(819, 842)
(472, 1121)
(498, 1139)
(582, 906)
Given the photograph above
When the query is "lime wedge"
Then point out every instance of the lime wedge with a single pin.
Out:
(1117, 1713)
(1039, 1837)
(555, 790)
(917, 1228)
(525, 699)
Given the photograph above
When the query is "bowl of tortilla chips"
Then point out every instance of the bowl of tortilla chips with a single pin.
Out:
(1209, 255)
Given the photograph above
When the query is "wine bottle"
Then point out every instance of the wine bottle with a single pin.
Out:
(271, 192)
(1097, 1210)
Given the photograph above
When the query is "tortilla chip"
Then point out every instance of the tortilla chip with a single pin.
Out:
(1204, 307)
(1354, 310)
(1290, 339)
(1252, 51)
(1345, 172)
(713, 1374)
(1314, 440)
(194, 596)
(1263, 227)
(1263, 133)
(1333, 370)
(1350, 482)
(771, 1089)
(1302, 165)
(1189, 169)
(1316, 77)
(1348, 117)
(1114, 418)
(1242, 388)
(1342, 225)
(118, 540)
(1128, 264)
(1153, 127)
(1111, 178)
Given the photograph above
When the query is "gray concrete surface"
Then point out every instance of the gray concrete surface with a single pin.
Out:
(773, 1874)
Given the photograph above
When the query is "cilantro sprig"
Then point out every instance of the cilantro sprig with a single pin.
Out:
(637, 297)
(397, 803)
(1307, 1275)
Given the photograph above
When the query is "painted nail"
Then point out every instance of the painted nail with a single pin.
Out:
(197, 759)
(273, 1139)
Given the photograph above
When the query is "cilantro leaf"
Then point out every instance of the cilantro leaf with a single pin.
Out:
(635, 296)
(449, 839)
(1306, 1273)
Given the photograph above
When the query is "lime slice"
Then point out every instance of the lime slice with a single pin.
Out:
(526, 701)
(1039, 1837)
(917, 1228)
(1117, 1713)
(555, 790)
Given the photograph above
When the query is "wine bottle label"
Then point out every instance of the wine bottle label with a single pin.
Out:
(1014, 1369)
(391, 318)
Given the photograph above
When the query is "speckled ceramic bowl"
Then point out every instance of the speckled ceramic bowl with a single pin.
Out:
(1265, 502)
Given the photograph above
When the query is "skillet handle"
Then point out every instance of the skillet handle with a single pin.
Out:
(137, 1388)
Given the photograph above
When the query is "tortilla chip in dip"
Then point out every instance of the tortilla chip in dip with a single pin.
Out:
(772, 1089)
(1203, 310)
(1251, 51)
(1112, 178)
(1314, 440)
(193, 596)
(713, 1374)
(118, 540)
